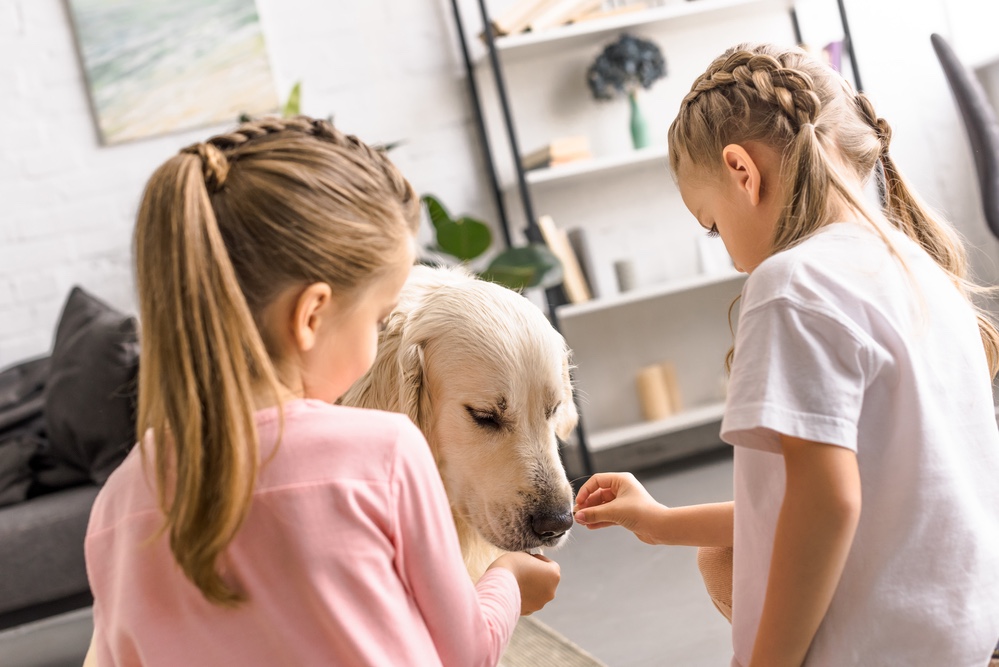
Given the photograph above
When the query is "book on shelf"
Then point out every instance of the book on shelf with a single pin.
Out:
(558, 151)
(518, 15)
(561, 12)
(584, 254)
(600, 13)
(557, 240)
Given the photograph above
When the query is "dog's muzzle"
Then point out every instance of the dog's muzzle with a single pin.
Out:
(549, 526)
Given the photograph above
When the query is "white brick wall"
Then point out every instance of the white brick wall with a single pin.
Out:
(386, 69)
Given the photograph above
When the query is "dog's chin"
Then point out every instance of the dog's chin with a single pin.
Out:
(527, 542)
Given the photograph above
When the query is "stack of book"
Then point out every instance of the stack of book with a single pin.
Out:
(534, 15)
(558, 151)
(573, 280)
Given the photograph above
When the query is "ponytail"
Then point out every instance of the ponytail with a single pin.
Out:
(201, 359)
(909, 213)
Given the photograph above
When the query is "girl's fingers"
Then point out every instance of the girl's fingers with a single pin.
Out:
(597, 482)
(598, 497)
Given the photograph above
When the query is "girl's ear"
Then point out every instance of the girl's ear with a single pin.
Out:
(313, 306)
(742, 171)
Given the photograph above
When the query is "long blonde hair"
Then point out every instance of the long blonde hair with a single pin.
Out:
(791, 102)
(222, 228)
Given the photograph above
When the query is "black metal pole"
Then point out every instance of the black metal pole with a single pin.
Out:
(848, 38)
(480, 125)
(525, 195)
(796, 27)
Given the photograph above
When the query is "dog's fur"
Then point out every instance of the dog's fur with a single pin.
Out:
(485, 377)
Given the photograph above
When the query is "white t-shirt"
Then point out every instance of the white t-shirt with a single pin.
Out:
(837, 343)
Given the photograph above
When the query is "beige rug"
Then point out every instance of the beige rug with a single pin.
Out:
(534, 644)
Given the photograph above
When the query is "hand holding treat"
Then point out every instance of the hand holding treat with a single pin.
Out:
(537, 575)
(618, 499)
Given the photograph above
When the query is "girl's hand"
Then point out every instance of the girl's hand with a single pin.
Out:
(537, 576)
(618, 499)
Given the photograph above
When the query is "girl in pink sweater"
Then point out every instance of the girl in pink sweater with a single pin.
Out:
(257, 523)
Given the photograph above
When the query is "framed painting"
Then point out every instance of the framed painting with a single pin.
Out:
(161, 66)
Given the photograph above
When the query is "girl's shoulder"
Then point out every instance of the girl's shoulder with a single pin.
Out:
(314, 440)
(832, 265)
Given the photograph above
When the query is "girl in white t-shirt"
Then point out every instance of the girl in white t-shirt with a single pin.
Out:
(865, 523)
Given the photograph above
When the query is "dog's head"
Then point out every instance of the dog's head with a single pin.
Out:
(486, 378)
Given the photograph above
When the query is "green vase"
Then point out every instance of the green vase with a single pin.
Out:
(639, 128)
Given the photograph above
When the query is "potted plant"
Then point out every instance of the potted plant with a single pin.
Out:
(466, 239)
(624, 66)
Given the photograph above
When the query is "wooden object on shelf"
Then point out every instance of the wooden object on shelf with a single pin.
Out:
(672, 386)
(659, 391)
(600, 13)
(558, 151)
(653, 393)
(575, 285)
(518, 15)
(559, 13)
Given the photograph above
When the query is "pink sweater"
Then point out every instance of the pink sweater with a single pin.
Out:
(349, 556)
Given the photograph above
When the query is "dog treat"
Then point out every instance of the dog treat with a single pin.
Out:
(536, 551)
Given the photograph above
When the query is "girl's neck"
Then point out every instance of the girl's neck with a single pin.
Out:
(265, 396)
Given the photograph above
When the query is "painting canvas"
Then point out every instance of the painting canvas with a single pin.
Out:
(160, 66)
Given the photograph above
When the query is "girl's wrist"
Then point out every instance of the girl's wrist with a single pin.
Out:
(660, 522)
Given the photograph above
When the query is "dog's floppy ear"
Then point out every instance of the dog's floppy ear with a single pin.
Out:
(411, 379)
(567, 417)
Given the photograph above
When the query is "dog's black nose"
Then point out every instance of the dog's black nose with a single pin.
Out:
(551, 525)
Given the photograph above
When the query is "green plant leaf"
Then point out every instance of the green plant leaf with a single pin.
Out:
(435, 209)
(465, 238)
(389, 146)
(293, 106)
(532, 265)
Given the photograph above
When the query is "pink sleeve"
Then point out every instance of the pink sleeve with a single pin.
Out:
(470, 625)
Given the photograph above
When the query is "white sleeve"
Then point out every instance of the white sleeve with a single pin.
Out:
(797, 371)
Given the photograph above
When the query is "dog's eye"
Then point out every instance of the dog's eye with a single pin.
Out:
(484, 419)
(550, 412)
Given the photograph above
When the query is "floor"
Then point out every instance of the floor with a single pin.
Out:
(631, 604)
(627, 603)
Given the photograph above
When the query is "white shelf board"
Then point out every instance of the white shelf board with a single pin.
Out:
(646, 293)
(595, 166)
(613, 437)
(533, 43)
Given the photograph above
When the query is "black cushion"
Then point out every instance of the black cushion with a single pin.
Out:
(90, 397)
(980, 123)
(22, 399)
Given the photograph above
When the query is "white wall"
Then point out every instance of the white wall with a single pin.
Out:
(388, 69)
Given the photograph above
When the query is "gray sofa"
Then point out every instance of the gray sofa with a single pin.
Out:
(66, 421)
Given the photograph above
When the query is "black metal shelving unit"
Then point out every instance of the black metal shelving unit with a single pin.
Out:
(555, 297)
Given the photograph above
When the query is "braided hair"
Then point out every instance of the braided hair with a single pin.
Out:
(829, 137)
(223, 227)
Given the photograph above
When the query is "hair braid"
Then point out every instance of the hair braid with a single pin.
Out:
(214, 151)
(765, 77)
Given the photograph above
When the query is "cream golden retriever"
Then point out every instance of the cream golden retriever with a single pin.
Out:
(485, 377)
